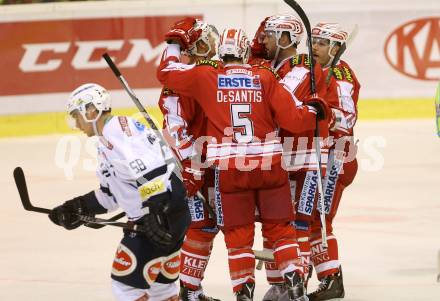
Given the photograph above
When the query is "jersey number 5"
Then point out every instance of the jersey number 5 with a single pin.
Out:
(242, 125)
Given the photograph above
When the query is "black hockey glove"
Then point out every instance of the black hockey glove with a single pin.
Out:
(155, 225)
(66, 215)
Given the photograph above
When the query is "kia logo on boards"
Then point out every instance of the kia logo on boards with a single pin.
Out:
(413, 49)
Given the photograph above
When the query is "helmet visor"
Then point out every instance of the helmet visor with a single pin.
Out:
(320, 41)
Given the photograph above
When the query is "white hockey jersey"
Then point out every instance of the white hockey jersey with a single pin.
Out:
(131, 166)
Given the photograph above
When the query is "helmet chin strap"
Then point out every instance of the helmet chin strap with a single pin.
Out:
(279, 47)
(274, 61)
(94, 122)
(332, 57)
(95, 128)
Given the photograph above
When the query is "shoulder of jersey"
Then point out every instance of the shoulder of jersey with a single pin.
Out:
(120, 126)
(300, 60)
(211, 63)
(271, 70)
(343, 72)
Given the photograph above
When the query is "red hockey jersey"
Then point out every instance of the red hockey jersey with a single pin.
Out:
(244, 106)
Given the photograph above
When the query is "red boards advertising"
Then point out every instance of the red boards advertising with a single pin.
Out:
(59, 55)
(413, 49)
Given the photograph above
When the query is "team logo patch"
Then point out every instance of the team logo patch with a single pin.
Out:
(171, 266)
(152, 270)
(139, 126)
(125, 261)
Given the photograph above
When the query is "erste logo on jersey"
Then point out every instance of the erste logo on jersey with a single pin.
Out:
(413, 49)
(237, 81)
(239, 88)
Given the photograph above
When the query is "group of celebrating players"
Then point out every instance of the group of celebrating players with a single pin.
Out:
(243, 128)
(267, 178)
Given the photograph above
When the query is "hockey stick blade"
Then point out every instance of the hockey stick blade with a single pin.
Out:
(20, 182)
(263, 256)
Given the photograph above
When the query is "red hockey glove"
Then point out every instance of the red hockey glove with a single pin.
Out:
(183, 31)
(323, 111)
(192, 177)
(258, 49)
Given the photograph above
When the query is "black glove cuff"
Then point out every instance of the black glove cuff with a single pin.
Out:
(91, 204)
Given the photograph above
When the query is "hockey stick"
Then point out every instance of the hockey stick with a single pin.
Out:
(437, 110)
(91, 222)
(150, 121)
(341, 51)
(303, 16)
(20, 182)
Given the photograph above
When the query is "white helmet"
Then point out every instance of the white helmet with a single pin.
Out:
(234, 42)
(87, 94)
(330, 31)
(285, 23)
(333, 33)
(207, 30)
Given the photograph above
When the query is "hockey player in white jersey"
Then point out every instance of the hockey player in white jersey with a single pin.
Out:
(134, 176)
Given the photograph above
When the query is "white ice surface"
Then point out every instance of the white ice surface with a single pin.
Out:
(388, 225)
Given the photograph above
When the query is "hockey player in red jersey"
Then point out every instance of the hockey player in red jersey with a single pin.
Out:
(244, 106)
(184, 122)
(327, 40)
(279, 36)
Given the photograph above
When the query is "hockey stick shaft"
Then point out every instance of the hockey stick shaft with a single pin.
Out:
(437, 109)
(20, 182)
(130, 92)
(303, 16)
(138, 104)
